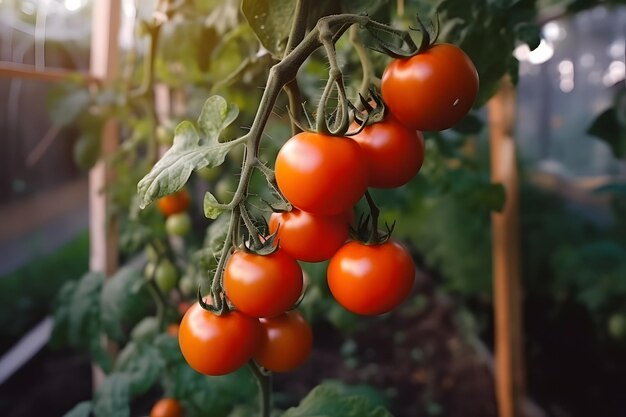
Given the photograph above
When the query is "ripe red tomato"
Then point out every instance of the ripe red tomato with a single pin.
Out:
(286, 342)
(174, 203)
(394, 153)
(371, 279)
(321, 174)
(262, 285)
(217, 345)
(309, 238)
(432, 90)
(166, 407)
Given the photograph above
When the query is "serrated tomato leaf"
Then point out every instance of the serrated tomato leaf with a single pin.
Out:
(123, 301)
(211, 206)
(271, 22)
(327, 401)
(82, 409)
(112, 398)
(190, 151)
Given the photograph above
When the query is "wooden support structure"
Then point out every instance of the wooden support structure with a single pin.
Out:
(507, 285)
(29, 72)
(103, 66)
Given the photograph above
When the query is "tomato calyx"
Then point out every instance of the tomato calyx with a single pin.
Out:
(372, 113)
(366, 230)
(407, 48)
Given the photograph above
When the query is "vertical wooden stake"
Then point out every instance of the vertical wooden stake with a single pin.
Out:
(506, 262)
(103, 65)
(103, 230)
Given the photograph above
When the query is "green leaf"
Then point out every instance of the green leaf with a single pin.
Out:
(145, 330)
(67, 102)
(217, 114)
(124, 300)
(216, 233)
(529, 33)
(112, 399)
(87, 150)
(143, 365)
(82, 409)
(607, 128)
(491, 196)
(211, 209)
(326, 401)
(469, 125)
(271, 21)
(189, 152)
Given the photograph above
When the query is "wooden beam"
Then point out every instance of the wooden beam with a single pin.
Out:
(104, 66)
(506, 256)
(103, 234)
(23, 71)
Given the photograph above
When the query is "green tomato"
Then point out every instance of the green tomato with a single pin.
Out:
(209, 174)
(225, 189)
(166, 276)
(617, 326)
(148, 271)
(178, 224)
(164, 136)
(188, 285)
(151, 253)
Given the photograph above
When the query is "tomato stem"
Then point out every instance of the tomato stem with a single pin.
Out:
(264, 381)
(369, 75)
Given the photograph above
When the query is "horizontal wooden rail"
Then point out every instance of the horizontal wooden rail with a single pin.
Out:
(30, 72)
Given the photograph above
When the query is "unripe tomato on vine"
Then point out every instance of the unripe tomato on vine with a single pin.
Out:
(174, 203)
(217, 345)
(321, 174)
(394, 153)
(286, 342)
(307, 237)
(262, 285)
(371, 279)
(431, 90)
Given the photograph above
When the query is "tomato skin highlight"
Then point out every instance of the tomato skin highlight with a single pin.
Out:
(394, 153)
(432, 90)
(286, 342)
(166, 407)
(262, 285)
(322, 175)
(307, 237)
(217, 345)
(174, 203)
(371, 279)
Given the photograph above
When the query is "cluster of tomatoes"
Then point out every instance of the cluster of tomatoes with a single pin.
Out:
(323, 177)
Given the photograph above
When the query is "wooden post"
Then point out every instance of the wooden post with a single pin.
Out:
(506, 256)
(103, 66)
(103, 256)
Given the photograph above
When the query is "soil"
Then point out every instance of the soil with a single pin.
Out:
(416, 356)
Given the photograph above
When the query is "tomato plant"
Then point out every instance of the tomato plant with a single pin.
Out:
(217, 345)
(307, 237)
(321, 174)
(432, 90)
(262, 285)
(394, 153)
(174, 203)
(286, 342)
(371, 279)
(166, 407)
